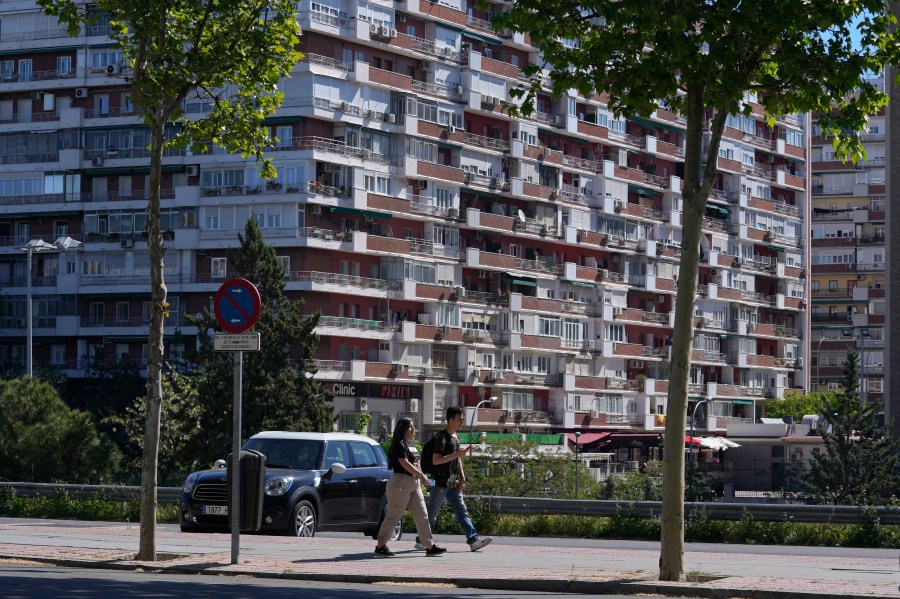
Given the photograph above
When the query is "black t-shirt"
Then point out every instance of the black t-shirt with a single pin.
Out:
(401, 450)
(445, 444)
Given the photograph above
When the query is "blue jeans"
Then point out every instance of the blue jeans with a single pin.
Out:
(455, 498)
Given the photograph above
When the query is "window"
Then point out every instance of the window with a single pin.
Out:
(517, 400)
(363, 455)
(63, 66)
(218, 268)
(548, 326)
(122, 312)
(609, 404)
(285, 262)
(377, 183)
(284, 136)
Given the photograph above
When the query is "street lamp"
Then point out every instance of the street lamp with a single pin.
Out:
(577, 435)
(34, 246)
(691, 437)
(491, 399)
(819, 362)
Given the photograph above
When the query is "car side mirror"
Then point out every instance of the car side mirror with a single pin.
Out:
(220, 464)
(338, 468)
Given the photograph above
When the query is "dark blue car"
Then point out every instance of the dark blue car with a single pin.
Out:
(313, 482)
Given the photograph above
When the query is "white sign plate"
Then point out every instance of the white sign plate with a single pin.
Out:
(232, 342)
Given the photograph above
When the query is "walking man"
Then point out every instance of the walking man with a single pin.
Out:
(450, 479)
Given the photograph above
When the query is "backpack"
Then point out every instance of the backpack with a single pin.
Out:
(427, 461)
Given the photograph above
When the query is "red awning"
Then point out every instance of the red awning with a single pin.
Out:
(693, 440)
(588, 438)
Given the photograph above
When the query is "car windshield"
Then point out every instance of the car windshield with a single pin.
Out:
(296, 454)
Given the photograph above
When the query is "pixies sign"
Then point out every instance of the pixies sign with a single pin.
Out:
(374, 390)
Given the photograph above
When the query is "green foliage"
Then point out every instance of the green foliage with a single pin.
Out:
(61, 506)
(363, 423)
(279, 391)
(636, 485)
(799, 405)
(180, 426)
(514, 468)
(43, 440)
(858, 464)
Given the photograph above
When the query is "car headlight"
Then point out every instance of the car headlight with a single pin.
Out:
(189, 483)
(278, 485)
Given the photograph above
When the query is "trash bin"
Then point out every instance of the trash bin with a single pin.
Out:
(252, 483)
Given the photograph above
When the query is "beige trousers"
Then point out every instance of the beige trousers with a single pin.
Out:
(404, 492)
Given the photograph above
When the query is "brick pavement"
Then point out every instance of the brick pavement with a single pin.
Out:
(500, 566)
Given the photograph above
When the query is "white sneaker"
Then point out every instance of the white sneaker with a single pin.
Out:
(480, 542)
(421, 547)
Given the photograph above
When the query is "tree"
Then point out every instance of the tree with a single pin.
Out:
(699, 58)
(279, 391)
(857, 466)
(43, 440)
(798, 405)
(229, 54)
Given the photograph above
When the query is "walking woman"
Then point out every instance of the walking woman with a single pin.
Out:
(404, 491)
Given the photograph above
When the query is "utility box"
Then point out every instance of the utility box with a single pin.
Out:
(252, 483)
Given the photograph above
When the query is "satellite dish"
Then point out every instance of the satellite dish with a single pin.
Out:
(521, 216)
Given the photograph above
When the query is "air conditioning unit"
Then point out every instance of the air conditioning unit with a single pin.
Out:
(390, 118)
(192, 170)
(636, 364)
(369, 114)
(127, 243)
(453, 213)
(113, 69)
(799, 362)
(412, 405)
(97, 161)
(604, 273)
(589, 344)
(362, 404)
(81, 92)
(595, 414)
(315, 209)
(392, 33)
(445, 329)
(476, 372)
(618, 205)
(345, 106)
(713, 272)
(374, 29)
(460, 291)
(510, 414)
(37, 95)
(421, 184)
(480, 273)
(459, 90)
(401, 18)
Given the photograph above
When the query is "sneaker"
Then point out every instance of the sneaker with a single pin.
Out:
(421, 547)
(383, 551)
(480, 542)
(435, 550)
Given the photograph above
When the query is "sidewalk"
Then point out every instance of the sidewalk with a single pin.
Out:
(578, 566)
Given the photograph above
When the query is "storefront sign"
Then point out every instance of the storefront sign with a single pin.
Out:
(374, 390)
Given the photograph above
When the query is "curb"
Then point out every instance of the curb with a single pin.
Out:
(546, 585)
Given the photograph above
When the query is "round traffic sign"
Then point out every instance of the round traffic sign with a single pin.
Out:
(237, 305)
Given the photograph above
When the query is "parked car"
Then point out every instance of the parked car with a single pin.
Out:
(313, 482)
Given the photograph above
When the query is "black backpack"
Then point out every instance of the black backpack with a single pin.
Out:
(427, 461)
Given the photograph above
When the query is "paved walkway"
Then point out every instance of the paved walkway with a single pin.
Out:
(582, 566)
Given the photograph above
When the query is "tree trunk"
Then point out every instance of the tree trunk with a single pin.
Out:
(694, 196)
(159, 307)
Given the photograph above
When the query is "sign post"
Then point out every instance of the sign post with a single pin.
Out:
(237, 306)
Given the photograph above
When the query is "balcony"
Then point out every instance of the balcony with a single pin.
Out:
(330, 278)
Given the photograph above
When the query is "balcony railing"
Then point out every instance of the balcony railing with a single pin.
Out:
(329, 278)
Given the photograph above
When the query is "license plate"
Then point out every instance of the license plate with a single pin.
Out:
(215, 510)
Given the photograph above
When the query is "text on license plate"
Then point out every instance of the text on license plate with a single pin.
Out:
(215, 510)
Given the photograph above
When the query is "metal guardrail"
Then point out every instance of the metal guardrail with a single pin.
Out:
(839, 514)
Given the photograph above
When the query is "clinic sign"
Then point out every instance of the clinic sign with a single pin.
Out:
(374, 390)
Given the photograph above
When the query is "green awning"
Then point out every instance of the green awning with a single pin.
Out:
(479, 193)
(31, 50)
(481, 38)
(544, 439)
(654, 125)
(742, 402)
(643, 192)
(580, 284)
(774, 248)
(347, 211)
(281, 120)
(522, 282)
(372, 214)
(41, 214)
(131, 170)
(537, 438)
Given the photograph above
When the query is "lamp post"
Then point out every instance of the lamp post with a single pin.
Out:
(691, 437)
(491, 399)
(819, 363)
(577, 435)
(32, 247)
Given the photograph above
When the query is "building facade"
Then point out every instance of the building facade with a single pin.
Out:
(848, 261)
(457, 255)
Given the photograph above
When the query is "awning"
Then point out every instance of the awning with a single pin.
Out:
(521, 282)
(481, 38)
(281, 120)
(479, 193)
(31, 50)
(41, 214)
(347, 211)
(643, 192)
(693, 440)
(537, 438)
(717, 443)
(741, 402)
(773, 248)
(588, 438)
(624, 439)
(580, 284)
(372, 214)
(654, 125)
(131, 170)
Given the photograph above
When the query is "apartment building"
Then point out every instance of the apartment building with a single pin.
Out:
(848, 261)
(458, 256)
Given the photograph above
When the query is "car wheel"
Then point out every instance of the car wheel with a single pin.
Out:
(397, 533)
(188, 528)
(303, 520)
